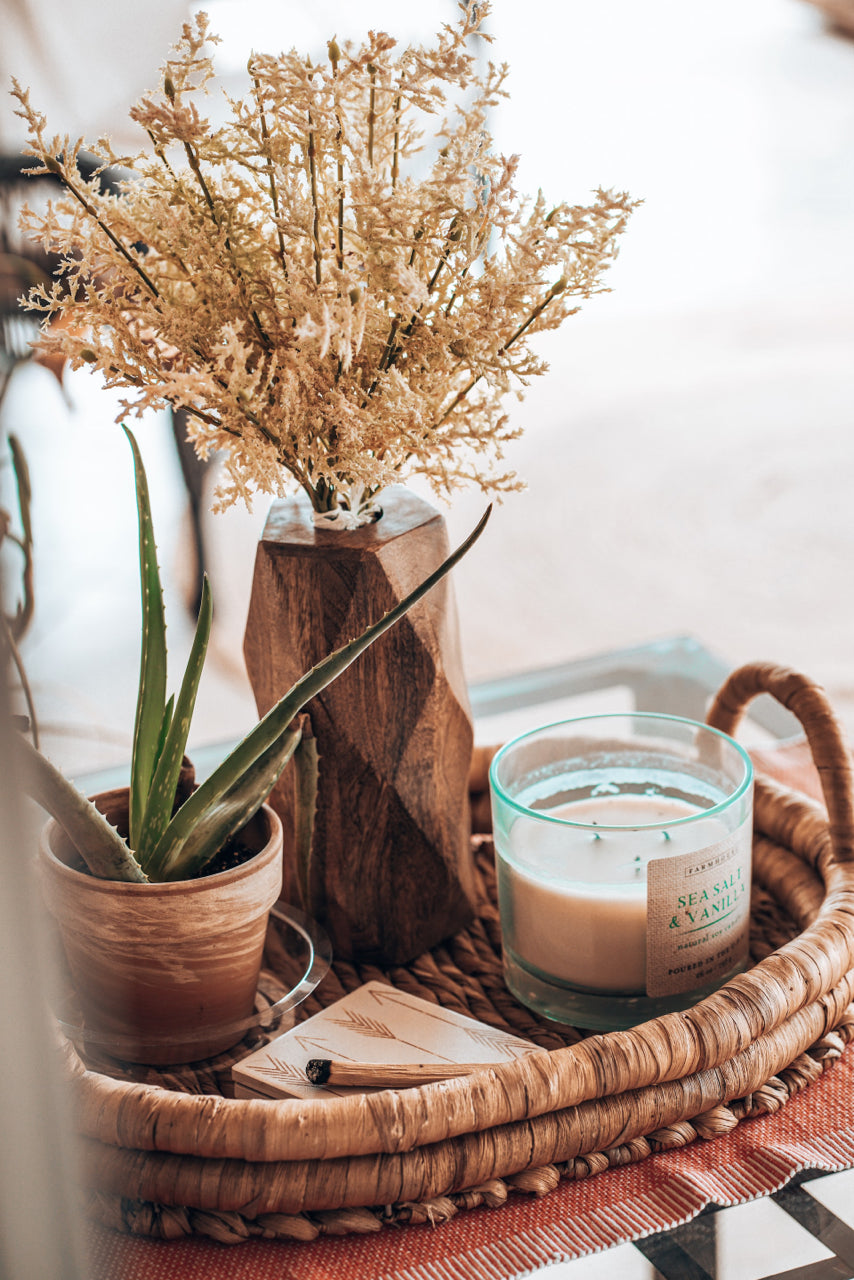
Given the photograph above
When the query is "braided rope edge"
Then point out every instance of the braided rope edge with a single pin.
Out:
(172, 1222)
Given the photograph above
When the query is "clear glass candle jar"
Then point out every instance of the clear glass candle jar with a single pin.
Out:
(623, 852)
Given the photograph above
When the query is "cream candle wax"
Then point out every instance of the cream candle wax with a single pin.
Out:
(592, 928)
(623, 861)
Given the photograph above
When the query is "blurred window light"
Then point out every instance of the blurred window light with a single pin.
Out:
(275, 26)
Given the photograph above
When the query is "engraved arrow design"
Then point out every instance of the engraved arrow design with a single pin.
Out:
(365, 1026)
(493, 1038)
(307, 1044)
(289, 1074)
(281, 1070)
(499, 1040)
(396, 997)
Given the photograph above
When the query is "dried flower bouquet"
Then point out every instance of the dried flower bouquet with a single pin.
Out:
(336, 300)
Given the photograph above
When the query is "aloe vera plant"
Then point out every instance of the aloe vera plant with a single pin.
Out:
(166, 845)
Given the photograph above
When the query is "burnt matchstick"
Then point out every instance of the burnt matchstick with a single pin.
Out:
(387, 1075)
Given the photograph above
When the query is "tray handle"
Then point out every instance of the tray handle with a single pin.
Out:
(809, 703)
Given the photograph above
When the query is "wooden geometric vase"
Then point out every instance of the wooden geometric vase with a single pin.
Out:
(390, 871)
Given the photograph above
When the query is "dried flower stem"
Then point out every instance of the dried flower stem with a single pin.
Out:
(209, 418)
(195, 165)
(274, 194)
(193, 161)
(334, 57)
(372, 113)
(56, 168)
(555, 290)
(395, 162)
(315, 226)
(340, 215)
(393, 348)
(161, 155)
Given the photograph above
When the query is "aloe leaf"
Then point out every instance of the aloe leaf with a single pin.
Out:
(151, 697)
(99, 844)
(24, 612)
(278, 719)
(23, 486)
(161, 795)
(183, 858)
(307, 777)
(164, 729)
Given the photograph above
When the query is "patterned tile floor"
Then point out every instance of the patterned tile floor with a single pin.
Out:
(803, 1232)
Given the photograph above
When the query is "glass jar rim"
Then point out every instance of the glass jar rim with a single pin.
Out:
(498, 789)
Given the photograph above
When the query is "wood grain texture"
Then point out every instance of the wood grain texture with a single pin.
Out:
(391, 872)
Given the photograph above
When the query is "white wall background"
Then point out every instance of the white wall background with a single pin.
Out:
(689, 457)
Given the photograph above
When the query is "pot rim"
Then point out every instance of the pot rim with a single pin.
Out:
(269, 852)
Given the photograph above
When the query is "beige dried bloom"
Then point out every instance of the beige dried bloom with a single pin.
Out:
(337, 299)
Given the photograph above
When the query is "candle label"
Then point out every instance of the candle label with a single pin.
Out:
(698, 915)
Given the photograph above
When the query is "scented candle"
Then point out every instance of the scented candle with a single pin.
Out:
(623, 850)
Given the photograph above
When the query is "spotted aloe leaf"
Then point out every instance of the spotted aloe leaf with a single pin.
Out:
(151, 695)
(164, 783)
(22, 618)
(102, 848)
(179, 856)
(307, 779)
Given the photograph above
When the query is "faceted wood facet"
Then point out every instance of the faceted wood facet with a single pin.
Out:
(391, 870)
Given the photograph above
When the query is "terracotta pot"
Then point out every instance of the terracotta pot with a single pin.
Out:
(164, 973)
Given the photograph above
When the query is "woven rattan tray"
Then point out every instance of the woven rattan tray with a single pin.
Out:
(167, 1155)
